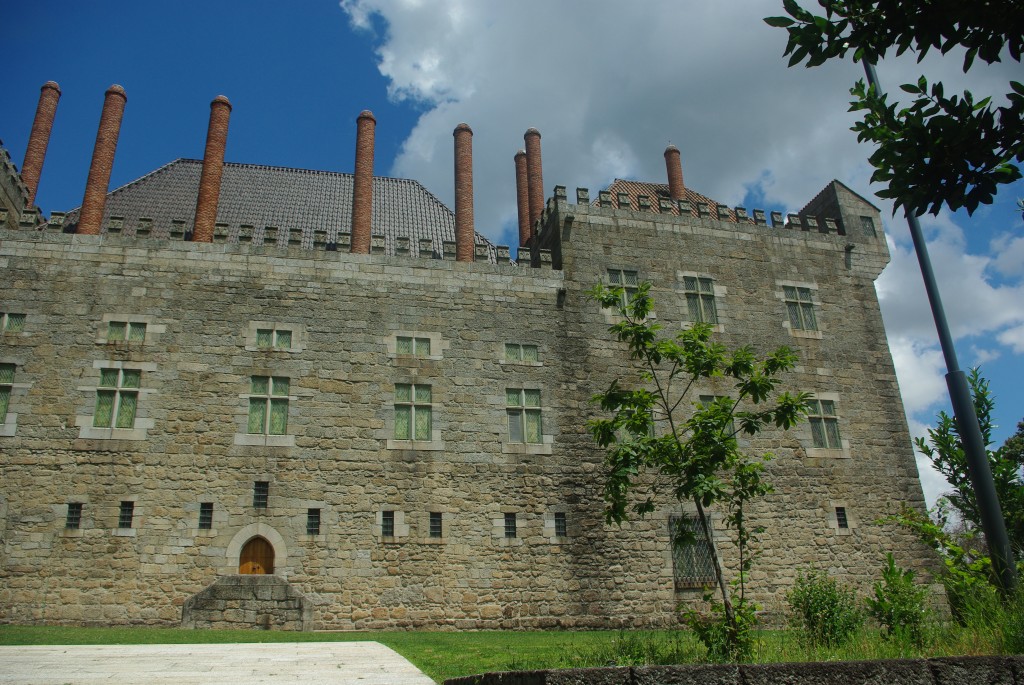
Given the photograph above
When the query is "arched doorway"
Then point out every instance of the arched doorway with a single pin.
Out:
(257, 557)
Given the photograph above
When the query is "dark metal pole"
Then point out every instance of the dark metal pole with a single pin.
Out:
(992, 522)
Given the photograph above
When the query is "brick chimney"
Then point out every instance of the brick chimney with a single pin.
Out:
(464, 232)
(35, 153)
(90, 218)
(362, 184)
(534, 175)
(675, 173)
(522, 197)
(213, 169)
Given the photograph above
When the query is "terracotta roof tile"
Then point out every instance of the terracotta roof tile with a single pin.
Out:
(656, 192)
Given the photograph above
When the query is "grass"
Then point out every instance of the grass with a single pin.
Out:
(444, 655)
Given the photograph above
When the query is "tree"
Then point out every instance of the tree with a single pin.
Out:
(691, 449)
(945, 450)
(954, 150)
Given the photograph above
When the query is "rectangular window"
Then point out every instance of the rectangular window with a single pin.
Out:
(524, 420)
(260, 494)
(561, 530)
(824, 424)
(413, 412)
(868, 225)
(117, 398)
(73, 520)
(205, 515)
(12, 323)
(700, 299)
(268, 405)
(387, 524)
(6, 385)
(841, 519)
(436, 529)
(692, 564)
(801, 308)
(312, 522)
(273, 338)
(413, 347)
(514, 352)
(627, 280)
(126, 514)
(122, 331)
(510, 526)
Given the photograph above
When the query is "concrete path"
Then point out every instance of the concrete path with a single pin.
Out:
(295, 663)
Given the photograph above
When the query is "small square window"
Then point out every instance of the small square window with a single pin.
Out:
(514, 352)
(12, 323)
(117, 398)
(510, 526)
(260, 494)
(312, 522)
(824, 424)
(411, 346)
(268, 405)
(561, 530)
(126, 514)
(73, 520)
(387, 524)
(800, 305)
(700, 299)
(841, 519)
(6, 386)
(205, 515)
(126, 331)
(436, 529)
(274, 338)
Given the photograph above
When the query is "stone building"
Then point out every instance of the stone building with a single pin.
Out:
(325, 401)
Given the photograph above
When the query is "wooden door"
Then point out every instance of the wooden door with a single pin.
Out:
(257, 558)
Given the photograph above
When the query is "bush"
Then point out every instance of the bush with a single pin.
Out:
(898, 604)
(723, 639)
(825, 614)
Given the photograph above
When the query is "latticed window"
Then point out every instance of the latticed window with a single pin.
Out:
(73, 520)
(627, 280)
(273, 338)
(413, 412)
(205, 515)
(514, 352)
(524, 420)
(6, 385)
(312, 522)
(268, 405)
(436, 529)
(126, 514)
(824, 424)
(700, 299)
(387, 524)
(117, 398)
(260, 494)
(801, 308)
(413, 347)
(511, 526)
(692, 565)
(561, 529)
(126, 331)
(12, 323)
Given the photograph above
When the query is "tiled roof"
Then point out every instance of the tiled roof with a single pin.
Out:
(656, 192)
(306, 202)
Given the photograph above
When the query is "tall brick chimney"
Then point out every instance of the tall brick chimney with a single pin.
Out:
(522, 198)
(675, 173)
(35, 153)
(464, 232)
(90, 218)
(213, 169)
(534, 175)
(362, 184)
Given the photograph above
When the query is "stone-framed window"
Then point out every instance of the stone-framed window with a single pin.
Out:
(699, 292)
(626, 279)
(823, 434)
(206, 516)
(260, 494)
(523, 412)
(126, 331)
(119, 328)
(867, 226)
(802, 306)
(126, 515)
(841, 521)
(692, 564)
(511, 525)
(11, 322)
(841, 518)
(390, 526)
(73, 518)
(312, 521)
(6, 389)
(410, 348)
(561, 525)
(9, 390)
(435, 525)
(507, 529)
(414, 412)
(387, 523)
(268, 405)
(118, 401)
(275, 336)
(521, 353)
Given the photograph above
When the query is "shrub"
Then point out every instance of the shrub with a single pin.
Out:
(898, 604)
(725, 640)
(824, 613)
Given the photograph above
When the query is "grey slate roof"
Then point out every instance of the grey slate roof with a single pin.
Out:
(306, 202)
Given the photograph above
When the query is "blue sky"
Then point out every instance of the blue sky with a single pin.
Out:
(608, 87)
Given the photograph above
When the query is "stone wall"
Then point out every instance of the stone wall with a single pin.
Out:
(267, 602)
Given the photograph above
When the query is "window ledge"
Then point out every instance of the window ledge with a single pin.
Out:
(826, 453)
(261, 440)
(86, 431)
(9, 426)
(800, 333)
(508, 362)
(509, 542)
(123, 532)
(415, 445)
(527, 447)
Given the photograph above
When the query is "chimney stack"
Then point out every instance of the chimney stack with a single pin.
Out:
(522, 197)
(464, 232)
(675, 173)
(534, 175)
(213, 169)
(39, 139)
(90, 218)
(362, 183)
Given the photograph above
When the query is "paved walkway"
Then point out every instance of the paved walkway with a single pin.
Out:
(305, 663)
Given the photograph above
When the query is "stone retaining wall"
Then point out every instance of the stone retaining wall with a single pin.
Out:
(266, 602)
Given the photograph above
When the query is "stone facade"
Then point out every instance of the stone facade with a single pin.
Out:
(458, 526)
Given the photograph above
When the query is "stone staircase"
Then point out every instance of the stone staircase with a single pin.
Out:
(262, 602)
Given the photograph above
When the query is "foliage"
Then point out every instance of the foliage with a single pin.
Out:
(945, 450)
(954, 150)
(825, 613)
(725, 639)
(898, 604)
(695, 458)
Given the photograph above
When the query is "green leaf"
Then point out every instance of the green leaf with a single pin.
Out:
(779, 22)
